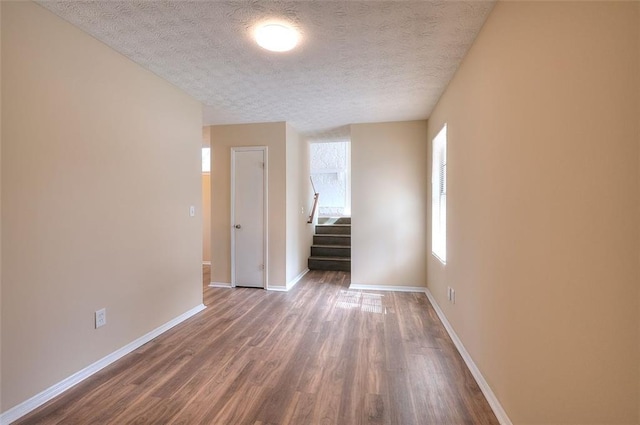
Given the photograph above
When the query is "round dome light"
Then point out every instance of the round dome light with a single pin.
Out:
(276, 37)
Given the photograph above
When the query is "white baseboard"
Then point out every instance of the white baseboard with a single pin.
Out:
(482, 383)
(356, 286)
(297, 279)
(278, 288)
(206, 263)
(219, 285)
(38, 400)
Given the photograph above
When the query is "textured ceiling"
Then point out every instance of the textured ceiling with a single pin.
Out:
(358, 61)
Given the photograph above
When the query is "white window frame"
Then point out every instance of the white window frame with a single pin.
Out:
(439, 196)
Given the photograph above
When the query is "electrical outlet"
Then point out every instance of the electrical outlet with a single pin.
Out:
(101, 317)
(451, 295)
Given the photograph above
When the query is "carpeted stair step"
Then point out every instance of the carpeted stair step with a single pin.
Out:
(329, 263)
(330, 251)
(343, 240)
(333, 229)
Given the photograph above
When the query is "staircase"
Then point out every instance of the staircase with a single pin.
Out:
(331, 249)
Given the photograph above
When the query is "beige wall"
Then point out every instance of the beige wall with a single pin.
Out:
(0, 209)
(223, 137)
(542, 198)
(289, 235)
(100, 163)
(206, 136)
(388, 201)
(206, 217)
(299, 199)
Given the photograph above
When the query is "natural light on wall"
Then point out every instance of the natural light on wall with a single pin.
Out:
(206, 160)
(439, 196)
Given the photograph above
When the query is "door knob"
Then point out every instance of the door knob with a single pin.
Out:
(237, 226)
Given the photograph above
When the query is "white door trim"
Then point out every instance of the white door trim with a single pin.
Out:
(265, 174)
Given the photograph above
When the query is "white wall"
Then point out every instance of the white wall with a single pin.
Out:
(299, 201)
(100, 163)
(390, 179)
(543, 209)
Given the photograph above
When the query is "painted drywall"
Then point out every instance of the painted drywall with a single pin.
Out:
(542, 161)
(206, 217)
(389, 203)
(100, 163)
(637, 121)
(206, 136)
(223, 137)
(299, 201)
(0, 209)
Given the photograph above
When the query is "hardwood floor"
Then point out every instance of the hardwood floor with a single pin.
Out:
(319, 354)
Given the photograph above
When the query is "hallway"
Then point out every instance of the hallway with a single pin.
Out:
(319, 354)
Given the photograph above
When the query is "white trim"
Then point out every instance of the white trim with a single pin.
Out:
(265, 174)
(482, 383)
(290, 284)
(356, 286)
(38, 400)
(206, 263)
(220, 285)
(277, 288)
(296, 279)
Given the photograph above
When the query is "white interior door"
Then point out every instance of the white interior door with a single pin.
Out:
(248, 218)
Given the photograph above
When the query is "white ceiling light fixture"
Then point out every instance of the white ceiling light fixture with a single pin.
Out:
(276, 37)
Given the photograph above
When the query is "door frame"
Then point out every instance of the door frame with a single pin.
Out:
(265, 236)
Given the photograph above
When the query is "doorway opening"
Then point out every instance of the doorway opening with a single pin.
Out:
(331, 174)
(206, 215)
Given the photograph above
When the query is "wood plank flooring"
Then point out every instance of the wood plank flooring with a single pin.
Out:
(319, 354)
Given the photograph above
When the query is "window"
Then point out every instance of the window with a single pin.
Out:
(206, 160)
(439, 196)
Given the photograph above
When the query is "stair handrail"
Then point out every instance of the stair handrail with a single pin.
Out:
(316, 195)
